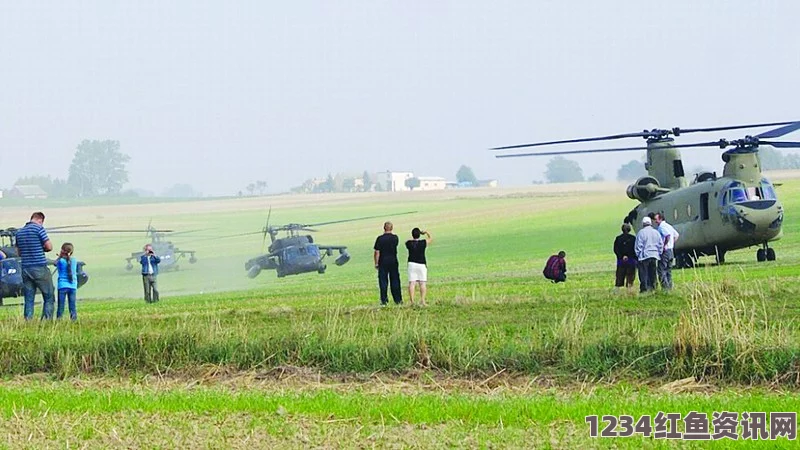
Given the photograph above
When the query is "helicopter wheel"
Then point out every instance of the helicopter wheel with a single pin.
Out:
(321, 269)
(129, 266)
(192, 260)
(770, 254)
(761, 255)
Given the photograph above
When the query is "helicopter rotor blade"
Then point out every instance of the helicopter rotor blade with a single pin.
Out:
(352, 220)
(64, 227)
(102, 231)
(608, 150)
(657, 133)
(778, 132)
(732, 127)
(781, 144)
(573, 141)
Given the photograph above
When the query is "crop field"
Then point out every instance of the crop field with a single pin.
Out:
(499, 358)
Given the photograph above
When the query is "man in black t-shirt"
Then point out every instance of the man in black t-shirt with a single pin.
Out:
(417, 264)
(387, 265)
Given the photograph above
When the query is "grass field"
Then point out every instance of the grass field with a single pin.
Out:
(499, 358)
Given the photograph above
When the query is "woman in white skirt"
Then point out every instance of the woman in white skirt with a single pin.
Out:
(417, 265)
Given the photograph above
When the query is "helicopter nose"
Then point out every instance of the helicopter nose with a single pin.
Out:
(759, 217)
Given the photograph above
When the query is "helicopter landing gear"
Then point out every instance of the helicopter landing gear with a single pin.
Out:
(720, 255)
(192, 259)
(321, 269)
(129, 267)
(765, 253)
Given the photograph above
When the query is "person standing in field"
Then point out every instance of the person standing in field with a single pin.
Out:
(32, 243)
(387, 265)
(624, 249)
(648, 248)
(149, 262)
(417, 264)
(670, 236)
(67, 281)
(555, 269)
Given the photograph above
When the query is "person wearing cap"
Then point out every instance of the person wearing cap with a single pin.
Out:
(649, 247)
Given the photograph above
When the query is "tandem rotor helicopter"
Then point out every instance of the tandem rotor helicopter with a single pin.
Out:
(297, 253)
(713, 214)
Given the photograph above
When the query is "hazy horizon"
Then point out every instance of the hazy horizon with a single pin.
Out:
(219, 95)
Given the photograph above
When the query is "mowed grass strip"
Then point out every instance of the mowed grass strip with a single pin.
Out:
(141, 414)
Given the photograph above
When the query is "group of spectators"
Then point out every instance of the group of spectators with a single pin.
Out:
(32, 243)
(651, 252)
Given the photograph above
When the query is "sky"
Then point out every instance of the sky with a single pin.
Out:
(221, 94)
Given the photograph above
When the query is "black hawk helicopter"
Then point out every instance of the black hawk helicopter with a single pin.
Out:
(166, 250)
(713, 214)
(11, 265)
(297, 253)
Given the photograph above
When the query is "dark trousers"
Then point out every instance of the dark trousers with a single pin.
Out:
(389, 274)
(33, 278)
(665, 269)
(150, 288)
(647, 275)
(67, 295)
(626, 275)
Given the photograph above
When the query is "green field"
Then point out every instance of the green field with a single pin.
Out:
(500, 357)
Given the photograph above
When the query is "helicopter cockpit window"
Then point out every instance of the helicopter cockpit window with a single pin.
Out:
(767, 190)
(312, 250)
(738, 195)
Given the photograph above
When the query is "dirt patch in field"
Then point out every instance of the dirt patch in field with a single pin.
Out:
(292, 378)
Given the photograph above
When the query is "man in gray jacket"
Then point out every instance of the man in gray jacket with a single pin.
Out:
(648, 252)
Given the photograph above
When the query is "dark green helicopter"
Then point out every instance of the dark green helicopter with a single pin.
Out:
(713, 214)
(11, 265)
(297, 253)
(166, 250)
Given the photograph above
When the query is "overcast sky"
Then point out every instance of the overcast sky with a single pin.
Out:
(220, 94)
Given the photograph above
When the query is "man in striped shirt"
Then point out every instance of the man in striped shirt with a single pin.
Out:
(32, 243)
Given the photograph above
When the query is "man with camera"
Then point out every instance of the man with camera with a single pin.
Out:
(149, 262)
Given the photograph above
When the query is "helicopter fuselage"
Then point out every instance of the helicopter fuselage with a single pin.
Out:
(718, 215)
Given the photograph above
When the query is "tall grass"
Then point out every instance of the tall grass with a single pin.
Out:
(722, 331)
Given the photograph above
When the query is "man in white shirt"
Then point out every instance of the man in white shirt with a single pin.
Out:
(648, 247)
(670, 236)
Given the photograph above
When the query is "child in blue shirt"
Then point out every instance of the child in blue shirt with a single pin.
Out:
(67, 281)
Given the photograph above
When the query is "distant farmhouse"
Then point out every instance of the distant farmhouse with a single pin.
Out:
(393, 181)
(27, 191)
(396, 182)
(431, 183)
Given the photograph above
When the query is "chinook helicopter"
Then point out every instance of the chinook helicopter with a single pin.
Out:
(713, 214)
(11, 265)
(297, 253)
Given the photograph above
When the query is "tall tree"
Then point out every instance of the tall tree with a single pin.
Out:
(412, 183)
(98, 168)
(631, 171)
(367, 181)
(562, 170)
(465, 175)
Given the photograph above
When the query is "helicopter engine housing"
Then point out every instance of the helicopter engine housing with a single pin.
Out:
(343, 258)
(644, 189)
